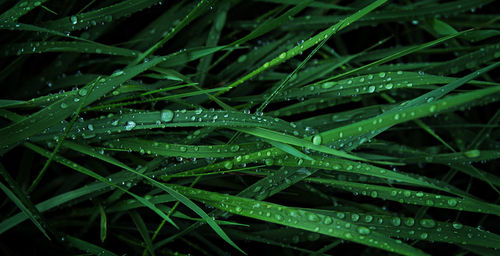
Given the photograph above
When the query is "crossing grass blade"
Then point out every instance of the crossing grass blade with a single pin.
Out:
(301, 219)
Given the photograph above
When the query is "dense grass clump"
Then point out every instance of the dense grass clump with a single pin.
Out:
(276, 127)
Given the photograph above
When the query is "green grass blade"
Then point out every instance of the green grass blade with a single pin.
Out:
(301, 219)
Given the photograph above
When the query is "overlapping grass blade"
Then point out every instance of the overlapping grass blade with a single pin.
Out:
(301, 219)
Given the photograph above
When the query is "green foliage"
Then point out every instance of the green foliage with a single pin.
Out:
(242, 127)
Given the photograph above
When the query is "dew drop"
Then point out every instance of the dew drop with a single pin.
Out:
(242, 58)
(269, 161)
(432, 108)
(472, 153)
(327, 220)
(82, 92)
(452, 202)
(409, 222)
(73, 20)
(368, 218)
(317, 139)
(396, 221)
(166, 115)
(328, 85)
(354, 217)
(427, 223)
(363, 230)
(130, 125)
(371, 89)
(312, 217)
(234, 148)
(381, 74)
(457, 226)
(228, 165)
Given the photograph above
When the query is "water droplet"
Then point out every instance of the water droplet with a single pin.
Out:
(427, 223)
(371, 89)
(363, 230)
(242, 58)
(396, 221)
(381, 74)
(130, 125)
(64, 105)
(317, 139)
(73, 19)
(409, 222)
(282, 55)
(452, 202)
(424, 235)
(368, 218)
(354, 217)
(388, 86)
(327, 220)
(312, 217)
(457, 226)
(234, 148)
(117, 73)
(228, 165)
(328, 85)
(82, 92)
(269, 161)
(472, 153)
(166, 115)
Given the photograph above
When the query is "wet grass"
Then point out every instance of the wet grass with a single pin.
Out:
(232, 127)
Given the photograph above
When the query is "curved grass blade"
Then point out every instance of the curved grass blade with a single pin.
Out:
(100, 16)
(135, 120)
(169, 149)
(419, 229)
(86, 246)
(413, 197)
(306, 220)
(33, 216)
(63, 46)
(143, 230)
(98, 177)
(308, 43)
(19, 10)
(170, 191)
(66, 106)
